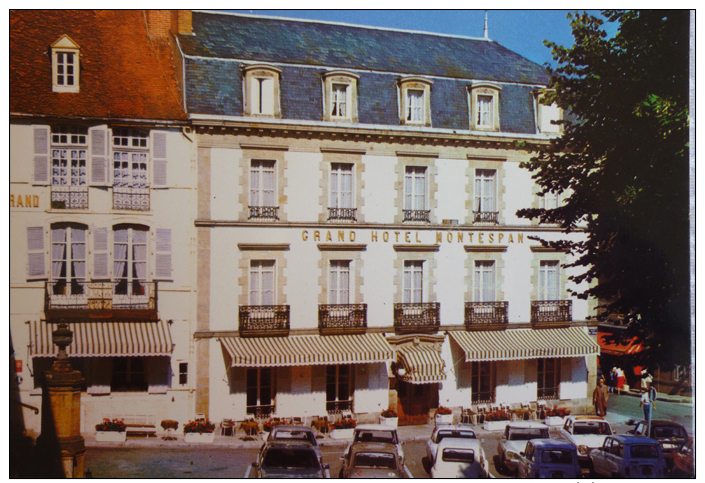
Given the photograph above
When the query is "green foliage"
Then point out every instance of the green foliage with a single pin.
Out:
(622, 169)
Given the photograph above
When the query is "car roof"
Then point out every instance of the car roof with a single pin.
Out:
(459, 443)
(374, 427)
(548, 443)
(455, 427)
(288, 427)
(526, 425)
(278, 443)
(374, 448)
(632, 439)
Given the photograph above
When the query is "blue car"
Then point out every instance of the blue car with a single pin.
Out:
(549, 458)
(627, 456)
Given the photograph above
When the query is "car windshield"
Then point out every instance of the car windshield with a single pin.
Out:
(295, 435)
(592, 427)
(668, 432)
(644, 451)
(458, 454)
(375, 436)
(557, 456)
(375, 460)
(290, 458)
(454, 433)
(525, 434)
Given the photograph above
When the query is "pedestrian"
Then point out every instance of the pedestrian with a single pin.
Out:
(620, 380)
(599, 399)
(648, 402)
(613, 378)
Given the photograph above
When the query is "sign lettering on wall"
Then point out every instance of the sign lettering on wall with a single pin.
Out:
(24, 201)
(394, 236)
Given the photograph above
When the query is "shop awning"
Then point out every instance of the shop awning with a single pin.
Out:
(306, 350)
(631, 346)
(104, 339)
(514, 344)
(422, 364)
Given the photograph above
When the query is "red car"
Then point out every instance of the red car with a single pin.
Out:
(683, 462)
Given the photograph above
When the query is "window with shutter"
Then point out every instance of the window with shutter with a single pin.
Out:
(415, 187)
(163, 254)
(159, 159)
(130, 261)
(41, 155)
(101, 265)
(36, 267)
(68, 264)
(68, 167)
(262, 282)
(339, 278)
(130, 153)
(549, 280)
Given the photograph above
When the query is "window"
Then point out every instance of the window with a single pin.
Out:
(483, 381)
(130, 177)
(484, 106)
(415, 101)
(183, 373)
(415, 189)
(548, 280)
(413, 282)
(339, 104)
(548, 378)
(547, 115)
(415, 105)
(262, 91)
(65, 65)
(68, 261)
(260, 391)
(549, 201)
(263, 199)
(484, 281)
(339, 282)
(130, 260)
(484, 111)
(128, 374)
(68, 167)
(338, 389)
(485, 206)
(262, 282)
(342, 199)
(340, 96)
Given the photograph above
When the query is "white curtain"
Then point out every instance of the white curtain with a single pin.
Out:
(120, 264)
(269, 183)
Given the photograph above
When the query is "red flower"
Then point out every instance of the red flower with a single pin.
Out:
(443, 410)
(389, 413)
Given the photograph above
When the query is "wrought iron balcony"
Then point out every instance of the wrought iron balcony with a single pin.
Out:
(342, 214)
(486, 315)
(417, 318)
(117, 300)
(337, 407)
(485, 217)
(69, 197)
(551, 311)
(418, 216)
(134, 199)
(264, 320)
(342, 319)
(264, 213)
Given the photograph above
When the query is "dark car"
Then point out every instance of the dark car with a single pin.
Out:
(372, 460)
(289, 460)
(293, 434)
(672, 436)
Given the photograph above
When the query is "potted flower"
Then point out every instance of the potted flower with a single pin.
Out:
(496, 420)
(555, 416)
(342, 428)
(444, 415)
(112, 431)
(201, 431)
(267, 427)
(389, 417)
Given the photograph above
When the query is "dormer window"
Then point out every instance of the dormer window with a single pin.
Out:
(415, 101)
(546, 115)
(340, 89)
(65, 69)
(262, 91)
(484, 107)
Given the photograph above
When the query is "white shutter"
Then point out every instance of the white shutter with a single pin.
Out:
(41, 155)
(36, 267)
(268, 96)
(159, 162)
(101, 257)
(254, 95)
(100, 172)
(163, 254)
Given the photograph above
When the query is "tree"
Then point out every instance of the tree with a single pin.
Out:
(622, 169)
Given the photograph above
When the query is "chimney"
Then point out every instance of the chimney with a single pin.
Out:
(160, 22)
(183, 22)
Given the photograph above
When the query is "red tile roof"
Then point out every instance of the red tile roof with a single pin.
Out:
(124, 73)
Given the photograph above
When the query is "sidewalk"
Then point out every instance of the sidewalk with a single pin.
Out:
(660, 397)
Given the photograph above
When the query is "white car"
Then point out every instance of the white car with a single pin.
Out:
(446, 431)
(460, 458)
(514, 440)
(376, 433)
(586, 433)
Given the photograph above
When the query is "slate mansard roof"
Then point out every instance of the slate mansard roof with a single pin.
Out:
(222, 44)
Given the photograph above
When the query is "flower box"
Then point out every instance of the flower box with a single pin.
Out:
(342, 433)
(494, 425)
(199, 437)
(554, 420)
(391, 422)
(444, 419)
(110, 436)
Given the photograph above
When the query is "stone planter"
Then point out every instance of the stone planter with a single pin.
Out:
(554, 420)
(494, 425)
(391, 422)
(342, 433)
(199, 437)
(444, 419)
(110, 436)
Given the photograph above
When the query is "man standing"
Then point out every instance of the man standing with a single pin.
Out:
(648, 402)
(598, 398)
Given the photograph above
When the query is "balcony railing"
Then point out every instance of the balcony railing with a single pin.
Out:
(134, 199)
(342, 319)
(418, 216)
(263, 411)
(417, 318)
(486, 315)
(69, 197)
(551, 311)
(485, 217)
(264, 213)
(337, 407)
(264, 320)
(342, 214)
(117, 300)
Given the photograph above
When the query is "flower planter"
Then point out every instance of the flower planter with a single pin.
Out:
(494, 425)
(110, 436)
(342, 433)
(391, 422)
(444, 419)
(199, 437)
(554, 420)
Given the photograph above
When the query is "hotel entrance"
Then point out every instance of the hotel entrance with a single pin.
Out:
(414, 401)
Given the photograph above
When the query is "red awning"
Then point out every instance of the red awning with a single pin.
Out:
(631, 346)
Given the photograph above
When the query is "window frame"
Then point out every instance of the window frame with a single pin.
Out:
(480, 190)
(418, 84)
(259, 267)
(336, 195)
(480, 292)
(262, 167)
(340, 78)
(411, 174)
(258, 72)
(333, 371)
(545, 388)
(70, 282)
(476, 374)
(543, 287)
(132, 142)
(258, 387)
(336, 269)
(484, 89)
(134, 284)
(130, 373)
(542, 111)
(64, 46)
(412, 289)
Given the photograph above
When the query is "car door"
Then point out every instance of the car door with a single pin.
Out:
(525, 462)
(613, 458)
(599, 457)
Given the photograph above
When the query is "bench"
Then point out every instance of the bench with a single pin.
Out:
(139, 424)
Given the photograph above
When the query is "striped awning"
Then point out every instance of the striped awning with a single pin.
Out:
(514, 344)
(305, 350)
(423, 364)
(104, 339)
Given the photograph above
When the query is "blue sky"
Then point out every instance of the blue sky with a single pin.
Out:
(522, 31)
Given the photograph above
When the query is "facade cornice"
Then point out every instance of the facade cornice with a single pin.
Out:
(51, 117)
(376, 226)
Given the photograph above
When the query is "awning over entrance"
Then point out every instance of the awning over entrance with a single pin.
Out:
(422, 364)
(631, 346)
(514, 344)
(306, 350)
(104, 339)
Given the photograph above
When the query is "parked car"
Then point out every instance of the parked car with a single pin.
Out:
(376, 433)
(549, 458)
(672, 436)
(294, 434)
(372, 460)
(586, 433)
(446, 431)
(626, 456)
(514, 440)
(460, 458)
(281, 459)
(683, 462)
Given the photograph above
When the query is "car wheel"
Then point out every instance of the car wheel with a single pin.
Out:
(341, 474)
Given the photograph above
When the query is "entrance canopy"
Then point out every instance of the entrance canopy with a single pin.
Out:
(104, 339)
(514, 344)
(306, 350)
(422, 364)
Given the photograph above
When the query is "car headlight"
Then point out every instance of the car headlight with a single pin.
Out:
(511, 455)
(582, 449)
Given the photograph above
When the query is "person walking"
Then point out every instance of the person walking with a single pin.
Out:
(598, 398)
(620, 380)
(648, 402)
